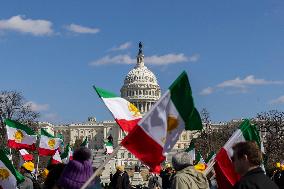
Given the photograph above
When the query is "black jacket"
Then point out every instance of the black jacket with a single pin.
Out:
(120, 181)
(255, 179)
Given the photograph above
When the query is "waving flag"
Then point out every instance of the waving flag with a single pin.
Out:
(225, 172)
(85, 143)
(8, 174)
(48, 144)
(67, 155)
(56, 158)
(125, 113)
(158, 131)
(191, 149)
(20, 136)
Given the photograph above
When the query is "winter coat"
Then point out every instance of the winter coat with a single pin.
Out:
(154, 181)
(255, 179)
(189, 178)
(28, 183)
(120, 181)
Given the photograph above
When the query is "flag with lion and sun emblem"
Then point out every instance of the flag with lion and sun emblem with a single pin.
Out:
(20, 136)
(158, 131)
(9, 176)
(125, 113)
(48, 144)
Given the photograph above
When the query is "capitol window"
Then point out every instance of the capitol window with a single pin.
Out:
(122, 155)
(129, 155)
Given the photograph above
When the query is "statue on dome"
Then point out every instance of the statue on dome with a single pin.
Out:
(140, 48)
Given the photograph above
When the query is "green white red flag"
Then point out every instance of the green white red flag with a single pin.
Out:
(125, 113)
(20, 136)
(48, 144)
(191, 149)
(56, 158)
(8, 174)
(109, 147)
(157, 132)
(67, 155)
(85, 143)
(225, 173)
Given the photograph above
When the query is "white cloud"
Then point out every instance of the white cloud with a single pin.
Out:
(119, 59)
(38, 107)
(279, 100)
(243, 83)
(123, 46)
(207, 91)
(240, 85)
(50, 117)
(155, 59)
(20, 24)
(82, 29)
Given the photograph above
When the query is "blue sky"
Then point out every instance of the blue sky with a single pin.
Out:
(54, 51)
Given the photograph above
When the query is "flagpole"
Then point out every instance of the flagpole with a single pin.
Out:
(209, 167)
(11, 156)
(101, 167)
(37, 166)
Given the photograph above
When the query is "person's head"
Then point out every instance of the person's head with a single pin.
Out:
(246, 155)
(27, 167)
(181, 160)
(78, 170)
(119, 168)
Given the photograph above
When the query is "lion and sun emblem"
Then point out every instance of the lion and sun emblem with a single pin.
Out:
(51, 143)
(4, 173)
(134, 110)
(18, 136)
(172, 124)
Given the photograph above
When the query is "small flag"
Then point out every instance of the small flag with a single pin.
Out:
(48, 144)
(25, 155)
(109, 147)
(56, 158)
(210, 157)
(85, 143)
(9, 175)
(67, 155)
(20, 136)
(191, 149)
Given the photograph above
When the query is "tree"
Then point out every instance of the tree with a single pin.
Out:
(211, 137)
(14, 106)
(271, 126)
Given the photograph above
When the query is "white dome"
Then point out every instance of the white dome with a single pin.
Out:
(140, 75)
(140, 85)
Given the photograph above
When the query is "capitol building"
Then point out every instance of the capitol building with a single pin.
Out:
(141, 88)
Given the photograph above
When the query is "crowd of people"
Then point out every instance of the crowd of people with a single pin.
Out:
(247, 160)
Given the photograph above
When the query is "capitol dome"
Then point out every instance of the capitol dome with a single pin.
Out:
(140, 85)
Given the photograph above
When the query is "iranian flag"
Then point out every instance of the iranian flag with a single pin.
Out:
(25, 155)
(191, 149)
(48, 144)
(210, 157)
(225, 173)
(158, 131)
(85, 143)
(199, 159)
(109, 147)
(9, 176)
(20, 136)
(67, 155)
(125, 113)
(56, 158)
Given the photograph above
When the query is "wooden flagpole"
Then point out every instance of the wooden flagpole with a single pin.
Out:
(36, 173)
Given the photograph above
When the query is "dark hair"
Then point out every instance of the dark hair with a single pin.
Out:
(82, 154)
(250, 149)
